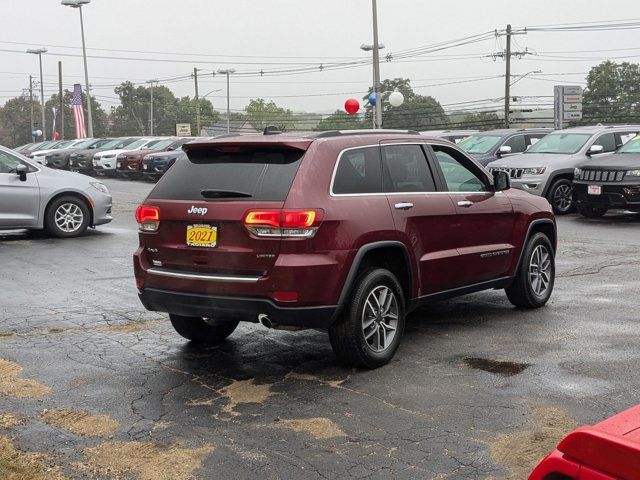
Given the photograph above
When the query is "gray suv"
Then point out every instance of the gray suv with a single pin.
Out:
(36, 197)
(546, 169)
(491, 145)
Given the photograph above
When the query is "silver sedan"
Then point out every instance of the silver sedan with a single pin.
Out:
(36, 197)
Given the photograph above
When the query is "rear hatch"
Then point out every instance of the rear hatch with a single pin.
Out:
(203, 200)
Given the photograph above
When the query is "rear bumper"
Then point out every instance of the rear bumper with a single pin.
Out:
(613, 196)
(236, 308)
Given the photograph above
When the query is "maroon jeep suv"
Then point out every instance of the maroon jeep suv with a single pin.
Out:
(346, 231)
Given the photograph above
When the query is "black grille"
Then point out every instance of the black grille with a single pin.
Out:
(602, 175)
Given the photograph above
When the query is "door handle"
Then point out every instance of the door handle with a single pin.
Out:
(465, 203)
(403, 206)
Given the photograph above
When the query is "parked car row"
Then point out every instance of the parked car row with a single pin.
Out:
(568, 166)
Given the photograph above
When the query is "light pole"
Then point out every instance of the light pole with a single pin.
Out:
(39, 52)
(369, 48)
(151, 82)
(228, 72)
(376, 65)
(78, 4)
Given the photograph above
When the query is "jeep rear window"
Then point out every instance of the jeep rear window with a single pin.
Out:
(264, 174)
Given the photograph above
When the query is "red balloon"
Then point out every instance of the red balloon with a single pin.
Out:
(352, 106)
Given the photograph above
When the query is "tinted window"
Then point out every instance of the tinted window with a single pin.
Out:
(262, 174)
(608, 142)
(406, 169)
(459, 174)
(517, 144)
(359, 171)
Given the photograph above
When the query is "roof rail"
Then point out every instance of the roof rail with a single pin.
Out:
(338, 133)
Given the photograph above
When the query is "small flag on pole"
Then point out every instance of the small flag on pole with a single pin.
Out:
(78, 112)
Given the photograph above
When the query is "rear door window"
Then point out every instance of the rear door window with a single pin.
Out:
(406, 169)
(359, 171)
(259, 174)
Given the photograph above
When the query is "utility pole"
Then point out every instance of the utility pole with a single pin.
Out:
(61, 100)
(31, 104)
(376, 66)
(151, 82)
(228, 72)
(507, 79)
(195, 78)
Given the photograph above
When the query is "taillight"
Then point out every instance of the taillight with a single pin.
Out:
(148, 218)
(283, 223)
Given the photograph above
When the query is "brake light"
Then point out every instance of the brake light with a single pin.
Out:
(148, 218)
(283, 223)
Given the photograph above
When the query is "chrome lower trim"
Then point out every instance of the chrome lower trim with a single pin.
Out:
(202, 276)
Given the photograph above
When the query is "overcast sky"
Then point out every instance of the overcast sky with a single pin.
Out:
(248, 34)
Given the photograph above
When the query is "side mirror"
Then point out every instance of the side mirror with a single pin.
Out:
(501, 181)
(504, 150)
(171, 149)
(21, 171)
(595, 149)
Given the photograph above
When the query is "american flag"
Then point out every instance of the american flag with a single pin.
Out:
(78, 112)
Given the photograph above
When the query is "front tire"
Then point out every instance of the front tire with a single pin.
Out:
(370, 329)
(535, 277)
(67, 217)
(560, 197)
(207, 331)
(592, 212)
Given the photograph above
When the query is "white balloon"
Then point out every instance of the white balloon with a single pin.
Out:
(38, 133)
(396, 99)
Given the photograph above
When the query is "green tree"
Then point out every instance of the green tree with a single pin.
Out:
(340, 120)
(15, 121)
(185, 111)
(262, 114)
(100, 117)
(133, 115)
(418, 112)
(612, 94)
(480, 121)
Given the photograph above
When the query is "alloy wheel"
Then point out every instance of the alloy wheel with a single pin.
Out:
(540, 270)
(380, 318)
(562, 197)
(69, 217)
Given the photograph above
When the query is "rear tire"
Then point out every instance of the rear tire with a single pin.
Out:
(370, 329)
(67, 217)
(535, 277)
(592, 212)
(560, 197)
(199, 330)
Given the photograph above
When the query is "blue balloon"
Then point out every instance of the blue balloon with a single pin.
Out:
(34, 133)
(372, 98)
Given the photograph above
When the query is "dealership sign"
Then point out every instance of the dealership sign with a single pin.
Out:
(567, 104)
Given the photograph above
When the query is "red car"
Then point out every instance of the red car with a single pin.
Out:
(610, 450)
(129, 164)
(345, 231)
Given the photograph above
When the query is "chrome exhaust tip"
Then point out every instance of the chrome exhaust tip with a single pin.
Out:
(264, 320)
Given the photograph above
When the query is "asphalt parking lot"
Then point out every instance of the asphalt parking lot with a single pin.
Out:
(94, 386)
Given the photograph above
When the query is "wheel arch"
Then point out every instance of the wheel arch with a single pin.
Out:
(392, 255)
(560, 174)
(541, 225)
(69, 193)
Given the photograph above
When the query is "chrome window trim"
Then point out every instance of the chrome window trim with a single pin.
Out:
(202, 276)
(335, 170)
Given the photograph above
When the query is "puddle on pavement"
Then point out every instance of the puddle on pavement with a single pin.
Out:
(506, 369)
(521, 451)
(12, 386)
(319, 428)
(244, 391)
(81, 423)
(18, 465)
(148, 461)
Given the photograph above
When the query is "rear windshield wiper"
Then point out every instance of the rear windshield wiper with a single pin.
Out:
(224, 194)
